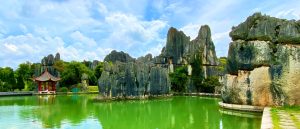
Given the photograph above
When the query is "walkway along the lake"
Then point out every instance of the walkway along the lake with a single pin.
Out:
(16, 93)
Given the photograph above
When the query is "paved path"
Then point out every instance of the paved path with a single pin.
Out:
(15, 93)
(288, 120)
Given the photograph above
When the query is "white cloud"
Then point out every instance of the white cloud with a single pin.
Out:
(289, 14)
(191, 30)
(102, 8)
(82, 39)
(218, 36)
(156, 50)
(21, 48)
(11, 47)
(127, 31)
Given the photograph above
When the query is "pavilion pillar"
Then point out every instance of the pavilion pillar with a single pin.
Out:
(53, 86)
(48, 86)
(39, 86)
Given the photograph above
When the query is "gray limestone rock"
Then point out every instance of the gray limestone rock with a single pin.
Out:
(118, 56)
(266, 28)
(263, 62)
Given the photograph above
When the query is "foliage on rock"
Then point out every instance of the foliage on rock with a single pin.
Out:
(179, 79)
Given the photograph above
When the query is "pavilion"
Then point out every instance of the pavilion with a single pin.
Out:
(46, 83)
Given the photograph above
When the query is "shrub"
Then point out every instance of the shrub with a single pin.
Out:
(63, 89)
(179, 79)
(209, 84)
(93, 89)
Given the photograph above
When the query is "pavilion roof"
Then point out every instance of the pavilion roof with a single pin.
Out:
(46, 76)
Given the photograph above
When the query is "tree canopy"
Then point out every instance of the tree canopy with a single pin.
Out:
(179, 79)
(72, 73)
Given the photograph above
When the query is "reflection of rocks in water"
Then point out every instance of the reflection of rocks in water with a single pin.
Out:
(76, 111)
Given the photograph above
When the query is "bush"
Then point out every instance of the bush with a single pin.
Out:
(209, 84)
(93, 89)
(179, 79)
(63, 89)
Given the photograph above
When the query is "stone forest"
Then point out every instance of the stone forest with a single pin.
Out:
(186, 86)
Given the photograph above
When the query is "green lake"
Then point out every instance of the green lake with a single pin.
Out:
(80, 111)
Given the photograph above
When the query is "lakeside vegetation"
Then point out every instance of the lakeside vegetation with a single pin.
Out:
(179, 78)
(71, 75)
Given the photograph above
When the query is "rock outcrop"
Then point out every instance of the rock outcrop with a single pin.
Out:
(263, 62)
(47, 63)
(118, 56)
(181, 51)
(133, 79)
(124, 76)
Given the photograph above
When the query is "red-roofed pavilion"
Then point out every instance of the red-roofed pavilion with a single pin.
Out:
(46, 83)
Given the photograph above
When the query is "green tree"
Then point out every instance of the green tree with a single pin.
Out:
(179, 79)
(222, 65)
(7, 79)
(98, 70)
(20, 83)
(59, 65)
(197, 72)
(209, 84)
(72, 73)
(24, 74)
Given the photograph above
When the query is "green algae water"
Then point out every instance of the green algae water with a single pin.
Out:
(80, 111)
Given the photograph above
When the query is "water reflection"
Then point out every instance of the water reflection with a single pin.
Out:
(78, 111)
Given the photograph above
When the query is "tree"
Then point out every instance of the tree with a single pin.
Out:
(59, 65)
(179, 79)
(222, 65)
(72, 73)
(23, 74)
(98, 70)
(20, 83)
(7, 79)
(210, 83)
(197, 72)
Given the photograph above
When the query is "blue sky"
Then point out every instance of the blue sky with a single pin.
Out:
(90, 29)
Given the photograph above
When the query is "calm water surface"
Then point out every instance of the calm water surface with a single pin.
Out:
(80, 111)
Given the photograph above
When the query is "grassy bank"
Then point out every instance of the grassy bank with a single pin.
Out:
(290, 111)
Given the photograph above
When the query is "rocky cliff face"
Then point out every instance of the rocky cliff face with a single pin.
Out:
(47, 63)
(118, 56)
(134, 79)
(124, 76)
(263, 62)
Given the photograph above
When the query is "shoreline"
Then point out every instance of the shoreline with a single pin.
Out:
(27, 93)
(237, 107)
(31, 93)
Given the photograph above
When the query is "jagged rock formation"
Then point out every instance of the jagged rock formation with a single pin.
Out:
(125, 76)
(181, 51)
(130, 79)
(118, 56)
(47, 63)
(263, 62)
(91, 65)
